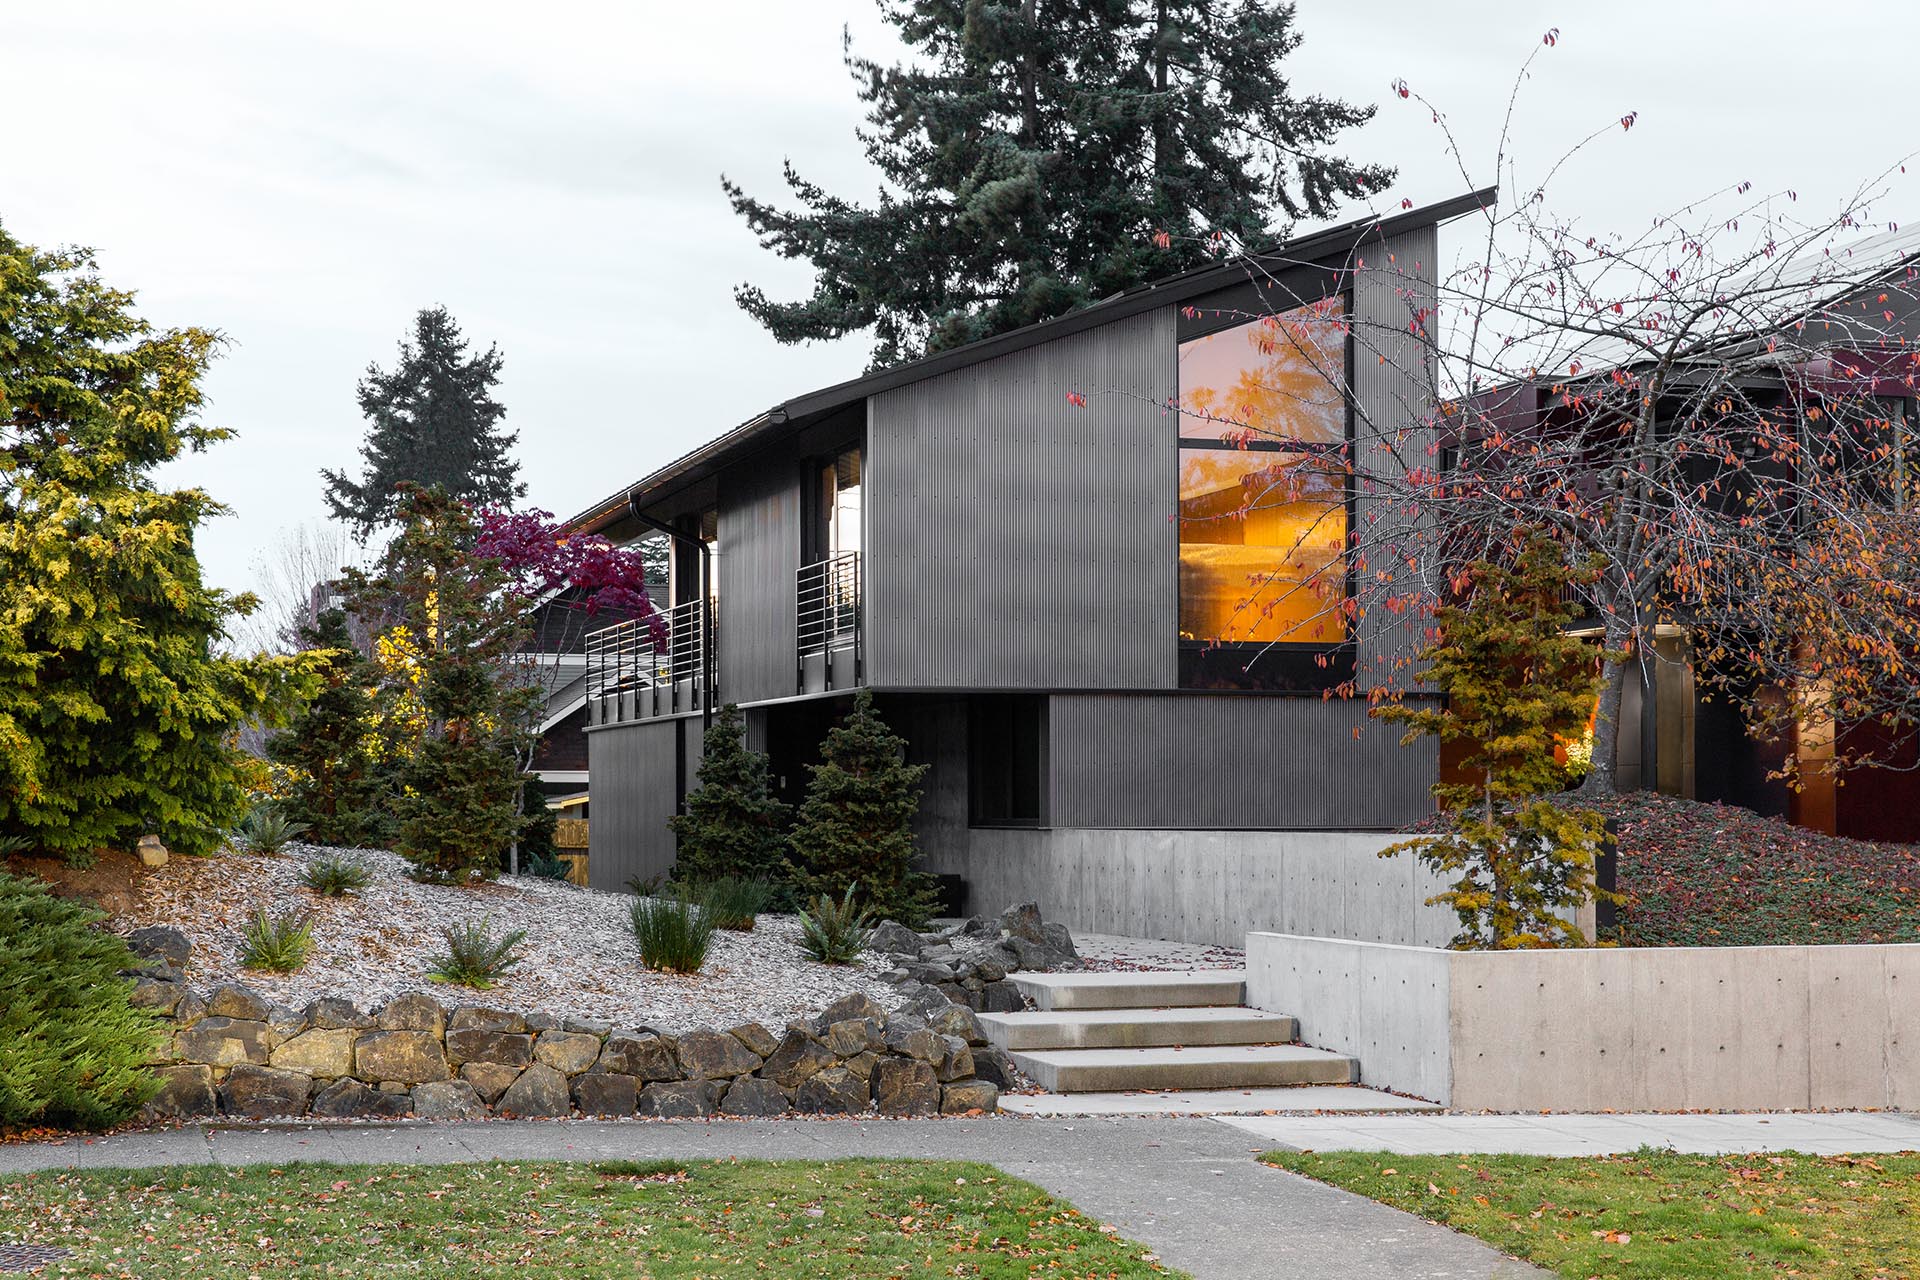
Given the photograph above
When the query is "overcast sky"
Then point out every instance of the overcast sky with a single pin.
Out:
(304, 178)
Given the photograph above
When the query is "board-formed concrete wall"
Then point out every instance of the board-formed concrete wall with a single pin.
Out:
(1203, 886)
(1625, 1029)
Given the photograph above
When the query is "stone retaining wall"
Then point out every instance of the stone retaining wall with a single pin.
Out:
(232, 1053)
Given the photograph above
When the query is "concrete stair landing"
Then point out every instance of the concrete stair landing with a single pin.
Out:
(1135, 1032)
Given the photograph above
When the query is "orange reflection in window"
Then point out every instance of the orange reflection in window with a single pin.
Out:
(1278, 378)
(1260, 540)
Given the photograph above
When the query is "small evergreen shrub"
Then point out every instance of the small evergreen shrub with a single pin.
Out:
(542, 864)
(475, 957)
(277, 941)
(673, 932)
(731, 901)
(266, 830)
(734, 824)
(335, 877)
(856, 824)
(73, 1048)
(835, 932)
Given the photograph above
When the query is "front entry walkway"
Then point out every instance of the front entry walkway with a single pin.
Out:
(1821, 1133)
(1189, 1189)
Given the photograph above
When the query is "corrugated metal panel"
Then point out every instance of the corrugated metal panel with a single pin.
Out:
(1231, 761)
(635, 788)
(1016, 540)
(759, 555)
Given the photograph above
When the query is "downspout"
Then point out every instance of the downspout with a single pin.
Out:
(706, 602)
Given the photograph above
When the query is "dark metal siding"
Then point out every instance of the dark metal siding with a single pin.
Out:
(1016, 540)
(635, 771)
(759, 555)
(1231, 761)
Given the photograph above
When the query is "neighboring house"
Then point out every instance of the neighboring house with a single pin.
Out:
(1026, 553)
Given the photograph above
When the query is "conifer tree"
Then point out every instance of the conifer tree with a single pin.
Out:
(340, 787)
(1517, 690)
(432, 422)
(734, 824)
(458, 630)
(1041, 155)
(855, 828)
(116, 713)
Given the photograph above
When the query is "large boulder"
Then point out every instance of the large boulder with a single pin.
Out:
(331, 1013)
(854, 1035)
(905, 1087)
(753, 1096)
(351, 1100)
(489, 1079)
(857, 1005)
(159, 995)
(262, 1093)
(797, 1057)
(601, 1093)
(757, 1038)
(676, 1099)
(508, 1048)
(994, 1066)
(956, 1060)
(231, 1000)
(835, 1091)
(473, 1017)
(642, 1054)
(161, 942)
(324, 1052)
(1060, 944)
(911, 1039)
(893, 938)
(186, 1093)
(958, 1020)
(447, 1100)
(1023, 921)
(963, 1096)
(567, 1052)
(414, 1011)
(540, 1092)
(409, 1057)
(1002, 997)
(224, 1042)
(715, 1055)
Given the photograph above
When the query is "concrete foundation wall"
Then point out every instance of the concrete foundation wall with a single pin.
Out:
(1202, 886)
(1627, 1029)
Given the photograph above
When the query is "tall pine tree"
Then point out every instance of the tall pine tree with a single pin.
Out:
(433, 422)
(116, 712)
(1043, 154)
(855, 828)
(734, 825)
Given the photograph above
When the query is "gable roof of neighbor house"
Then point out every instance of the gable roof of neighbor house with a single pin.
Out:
(1199, 281)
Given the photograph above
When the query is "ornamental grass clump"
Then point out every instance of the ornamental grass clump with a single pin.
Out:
(73, 1048)
(475, 956)
(835, 932)
(733, 903)
(1517, 690)
(335, 877)
(673, 932)
(277, 941)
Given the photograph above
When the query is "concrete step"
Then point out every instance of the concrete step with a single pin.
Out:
(1137, 1028)
(1210, 1067)
(1300, 1098)
(1158, 990)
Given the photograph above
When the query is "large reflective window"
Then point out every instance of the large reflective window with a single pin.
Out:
(1263, 492)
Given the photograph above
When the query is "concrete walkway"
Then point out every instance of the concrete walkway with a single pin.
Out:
(1816, 1133)
(1189, 1189)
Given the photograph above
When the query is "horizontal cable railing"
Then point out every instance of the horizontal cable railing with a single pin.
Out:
(827, 614)
(657, 669)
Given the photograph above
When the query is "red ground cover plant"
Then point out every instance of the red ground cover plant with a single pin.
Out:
(1710, 875)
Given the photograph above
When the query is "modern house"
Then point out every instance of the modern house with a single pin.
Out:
(1037, 551)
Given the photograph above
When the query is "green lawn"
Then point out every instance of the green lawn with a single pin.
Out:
(639, 1220)
(1657, 1213)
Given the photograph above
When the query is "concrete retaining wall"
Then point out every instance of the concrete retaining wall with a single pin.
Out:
(1204, 886)
(1627, 1029)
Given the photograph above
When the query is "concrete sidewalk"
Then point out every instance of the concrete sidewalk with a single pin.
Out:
(1816, 1133)
(1189, 1189)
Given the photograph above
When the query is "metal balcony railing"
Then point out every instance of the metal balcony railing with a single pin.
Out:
(635, 672)
(827, 617)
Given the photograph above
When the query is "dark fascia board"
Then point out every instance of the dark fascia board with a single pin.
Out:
(1317, 247)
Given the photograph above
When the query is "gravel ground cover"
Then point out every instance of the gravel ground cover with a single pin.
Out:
(580, 957)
